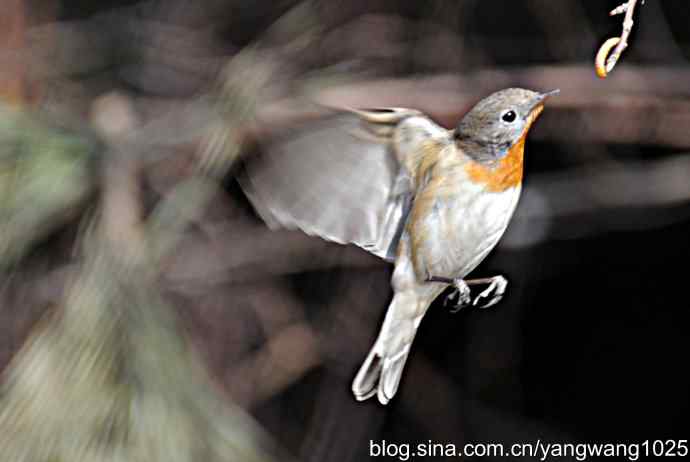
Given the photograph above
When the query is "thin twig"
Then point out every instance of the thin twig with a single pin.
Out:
(606, 60)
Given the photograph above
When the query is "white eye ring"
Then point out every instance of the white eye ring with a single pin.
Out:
(509, 116)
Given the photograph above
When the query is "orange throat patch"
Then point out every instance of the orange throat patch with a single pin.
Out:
(507, 172)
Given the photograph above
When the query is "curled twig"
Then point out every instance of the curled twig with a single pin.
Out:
(606, 60)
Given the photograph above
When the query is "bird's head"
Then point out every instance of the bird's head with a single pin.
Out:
(498, 122)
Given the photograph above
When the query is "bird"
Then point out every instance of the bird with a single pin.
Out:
(433, 201)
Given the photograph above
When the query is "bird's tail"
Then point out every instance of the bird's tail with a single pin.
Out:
(383, 367)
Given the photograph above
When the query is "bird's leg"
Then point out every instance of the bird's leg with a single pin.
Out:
(460, 297)
(488, 297)
(492, 294)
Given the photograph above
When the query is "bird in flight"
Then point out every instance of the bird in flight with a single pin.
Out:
(433, 201)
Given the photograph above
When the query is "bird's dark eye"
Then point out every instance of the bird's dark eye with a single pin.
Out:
(509, 116)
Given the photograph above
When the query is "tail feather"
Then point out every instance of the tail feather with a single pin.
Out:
(391, 375)
(383, 367)
(367, 379)
(379, 375)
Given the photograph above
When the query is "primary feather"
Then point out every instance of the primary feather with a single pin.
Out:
(339, 179)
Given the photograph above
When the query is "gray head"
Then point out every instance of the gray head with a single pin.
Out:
(497, 122)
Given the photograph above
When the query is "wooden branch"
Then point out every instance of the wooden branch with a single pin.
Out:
(641, 105)
(606, 60)
(648, 105)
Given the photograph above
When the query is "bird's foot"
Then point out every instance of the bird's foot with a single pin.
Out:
(492, 294)
(460, 297)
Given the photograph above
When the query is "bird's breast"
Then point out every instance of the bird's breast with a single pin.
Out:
(466, 224)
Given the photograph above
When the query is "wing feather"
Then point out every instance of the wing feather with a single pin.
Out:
(338, 179)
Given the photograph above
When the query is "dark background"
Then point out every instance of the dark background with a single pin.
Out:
(590, 343)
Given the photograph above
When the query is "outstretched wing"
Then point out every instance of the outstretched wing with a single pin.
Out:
(338, 178)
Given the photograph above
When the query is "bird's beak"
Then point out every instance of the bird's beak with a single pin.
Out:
(538, 104)
(543, 96)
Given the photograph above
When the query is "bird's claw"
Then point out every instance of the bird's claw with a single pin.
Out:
(492, 294)
(460, 297)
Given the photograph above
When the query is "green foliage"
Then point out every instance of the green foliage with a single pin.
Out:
(45, 173)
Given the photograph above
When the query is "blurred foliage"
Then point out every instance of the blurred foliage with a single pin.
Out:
(107, 374)
(108, 377)
(45, 174)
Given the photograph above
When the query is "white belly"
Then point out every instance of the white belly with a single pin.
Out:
(466, 227)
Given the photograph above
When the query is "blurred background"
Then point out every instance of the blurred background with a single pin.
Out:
(119, 112)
